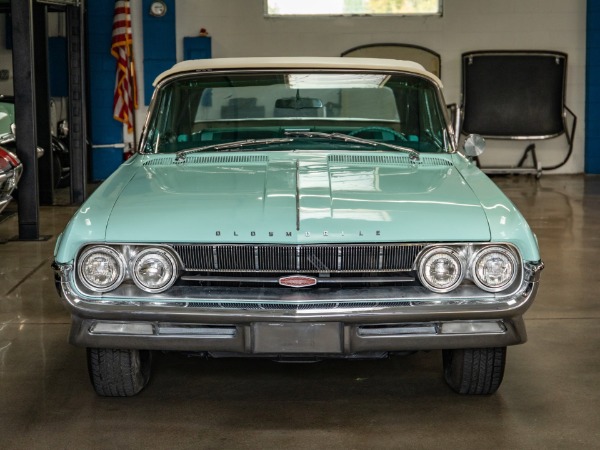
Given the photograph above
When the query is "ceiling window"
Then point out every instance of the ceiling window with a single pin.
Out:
(276, 8)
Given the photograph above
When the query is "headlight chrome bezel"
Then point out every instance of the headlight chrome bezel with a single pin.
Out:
(480, 254)
(118, 257)
(453, 254)
(167, 255)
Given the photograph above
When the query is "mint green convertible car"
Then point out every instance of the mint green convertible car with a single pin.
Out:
(295, 209)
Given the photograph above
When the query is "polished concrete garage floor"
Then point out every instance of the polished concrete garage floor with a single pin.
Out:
(550, 397)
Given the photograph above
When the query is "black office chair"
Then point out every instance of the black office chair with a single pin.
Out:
(517, 95)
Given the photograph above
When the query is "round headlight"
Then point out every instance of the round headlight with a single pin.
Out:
(494, 268)
(441, 269)
(101, 268)
(154, 270)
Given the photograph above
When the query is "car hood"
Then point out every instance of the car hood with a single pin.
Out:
(305, 197)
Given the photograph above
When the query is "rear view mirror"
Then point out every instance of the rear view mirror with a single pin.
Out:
(298, 103)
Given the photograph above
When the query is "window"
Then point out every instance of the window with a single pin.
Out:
(212, 109)
(276, 8)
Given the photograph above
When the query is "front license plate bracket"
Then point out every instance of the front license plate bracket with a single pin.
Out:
(307, 338)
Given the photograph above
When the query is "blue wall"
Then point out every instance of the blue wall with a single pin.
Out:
(103, 130)
(159, 44)
(159, 55)
(592, 104)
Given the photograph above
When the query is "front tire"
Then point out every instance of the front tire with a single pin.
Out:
(474, 371)
(118, 373)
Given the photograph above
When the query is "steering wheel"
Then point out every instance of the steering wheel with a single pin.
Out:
(399, 135)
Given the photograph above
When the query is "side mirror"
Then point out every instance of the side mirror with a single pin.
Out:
(474, 145)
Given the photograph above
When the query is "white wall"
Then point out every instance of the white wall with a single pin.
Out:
(239, 28)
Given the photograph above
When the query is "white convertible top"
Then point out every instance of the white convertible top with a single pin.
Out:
(297, 63)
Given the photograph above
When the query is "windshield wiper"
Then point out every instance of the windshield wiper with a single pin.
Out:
(180, 156)
(412, 154)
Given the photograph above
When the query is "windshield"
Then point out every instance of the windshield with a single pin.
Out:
(210, 110)
(7, 117)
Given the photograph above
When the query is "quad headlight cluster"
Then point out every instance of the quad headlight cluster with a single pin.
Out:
(101, 268)
(493, 268)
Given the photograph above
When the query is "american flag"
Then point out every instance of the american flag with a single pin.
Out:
(125, 98)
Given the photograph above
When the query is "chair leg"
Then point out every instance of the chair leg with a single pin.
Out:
(530, 148)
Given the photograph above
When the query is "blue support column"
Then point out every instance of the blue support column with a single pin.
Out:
(592, 103)
(159, 44)
(104, 130)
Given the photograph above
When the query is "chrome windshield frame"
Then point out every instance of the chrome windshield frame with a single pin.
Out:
(447, 125)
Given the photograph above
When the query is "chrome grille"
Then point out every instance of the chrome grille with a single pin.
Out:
(298, 258)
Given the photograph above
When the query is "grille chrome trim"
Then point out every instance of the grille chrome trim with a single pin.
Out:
(288, 306)
(298, 258)
(276, 280)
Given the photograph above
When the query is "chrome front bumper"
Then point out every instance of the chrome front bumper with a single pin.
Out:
(399, 323)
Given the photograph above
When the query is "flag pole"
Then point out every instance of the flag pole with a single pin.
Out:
(133, 73)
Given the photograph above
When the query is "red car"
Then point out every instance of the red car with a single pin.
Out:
(10, 172)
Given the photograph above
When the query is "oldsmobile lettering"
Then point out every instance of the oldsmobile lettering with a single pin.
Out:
(325, 233)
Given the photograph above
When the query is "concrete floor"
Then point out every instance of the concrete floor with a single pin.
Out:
(550, 397)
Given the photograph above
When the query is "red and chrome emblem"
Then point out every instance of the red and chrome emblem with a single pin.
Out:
(297, 281)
